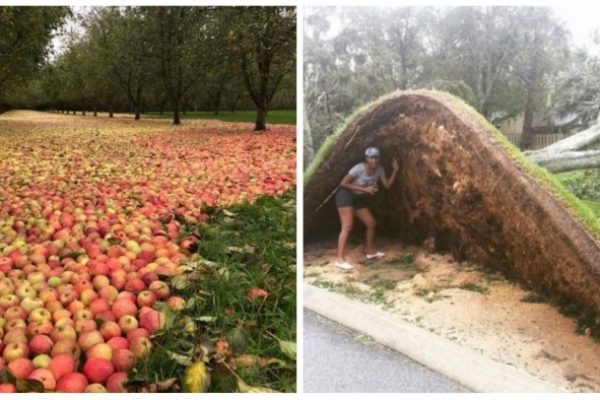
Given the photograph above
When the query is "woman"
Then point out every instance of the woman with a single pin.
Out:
(353, 198)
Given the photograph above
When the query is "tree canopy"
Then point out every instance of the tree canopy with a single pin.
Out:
(504, 61)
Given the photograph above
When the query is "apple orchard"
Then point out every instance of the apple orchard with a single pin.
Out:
(90, 233)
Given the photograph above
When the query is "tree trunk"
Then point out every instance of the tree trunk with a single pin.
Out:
(577, 141)
(261, 118)
(176, 112)
(137, 112)
(567, 160)
(83, 112)
(217, 103)
(526, 133)
(569, 154)
(110, 110)
(95, 111)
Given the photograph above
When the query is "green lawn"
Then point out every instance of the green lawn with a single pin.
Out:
(250, 245)
(585, 185)
(273, 117)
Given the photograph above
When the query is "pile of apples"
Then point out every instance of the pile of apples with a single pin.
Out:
(88, 238)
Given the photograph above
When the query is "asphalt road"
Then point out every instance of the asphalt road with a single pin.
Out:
(339, 360)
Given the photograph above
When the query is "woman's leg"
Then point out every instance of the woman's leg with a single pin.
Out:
(346, 218)
(364, 214)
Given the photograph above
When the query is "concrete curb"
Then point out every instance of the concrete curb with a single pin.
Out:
(463, 365)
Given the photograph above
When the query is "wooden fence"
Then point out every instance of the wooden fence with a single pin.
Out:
(540, 140)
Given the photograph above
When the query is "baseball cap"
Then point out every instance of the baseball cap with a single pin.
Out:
(372, 152)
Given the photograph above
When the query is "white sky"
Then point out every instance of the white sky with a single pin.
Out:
(580, 19)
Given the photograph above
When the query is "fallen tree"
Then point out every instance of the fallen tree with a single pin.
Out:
(570, 154)
(464, 185)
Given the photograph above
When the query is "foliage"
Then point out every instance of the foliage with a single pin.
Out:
(497, 59)
(577, 93)
(583, 184)
(24, 36)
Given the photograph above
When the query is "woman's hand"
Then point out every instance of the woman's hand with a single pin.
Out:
(370, 189)
(395, 165)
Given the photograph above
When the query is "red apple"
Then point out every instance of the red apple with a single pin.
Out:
(95, 388)
(146, 298)
(118, 342)
(64, 332)
(135, 285)
(123, 307)
(20, 367)
(85, 325)
(153, 320)
(61, 364)
(88, 339)
(99, 350)
(45, 377)
(97, 370)
(140, 346)
(40, 344)
(7, 388)
(73, 382)
(160, 288)
(66, 346)
(123, 359)
(136, 333)
(109, 330)
(127, 323)
(98, 305)
(175, 303)
(116, 383)
(13, 351)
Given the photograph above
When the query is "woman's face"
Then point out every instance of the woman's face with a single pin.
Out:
(372, 162)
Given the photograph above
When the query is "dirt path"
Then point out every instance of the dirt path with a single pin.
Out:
(475, 308)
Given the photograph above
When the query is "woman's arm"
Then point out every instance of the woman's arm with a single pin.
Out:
(387, 182)
(347, 183)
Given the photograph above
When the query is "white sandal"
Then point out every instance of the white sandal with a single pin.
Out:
(346, 266)
(377, 254)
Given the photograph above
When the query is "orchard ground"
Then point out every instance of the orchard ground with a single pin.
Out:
(157, 258)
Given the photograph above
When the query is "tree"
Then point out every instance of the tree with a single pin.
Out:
(186, 46)
(542, 51)
(264, 41)
(25, 33)
(121, 39)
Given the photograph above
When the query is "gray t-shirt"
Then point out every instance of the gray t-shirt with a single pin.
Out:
(360, 177)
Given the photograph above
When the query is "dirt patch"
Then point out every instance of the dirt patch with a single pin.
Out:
(458, 185)
(472, 306)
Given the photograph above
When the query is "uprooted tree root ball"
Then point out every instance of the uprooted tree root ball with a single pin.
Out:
(460, 184)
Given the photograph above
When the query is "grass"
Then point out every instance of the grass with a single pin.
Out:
(473, 287)
(242, 247)
(273, 117)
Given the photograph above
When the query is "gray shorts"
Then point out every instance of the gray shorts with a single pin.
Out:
(347, 198)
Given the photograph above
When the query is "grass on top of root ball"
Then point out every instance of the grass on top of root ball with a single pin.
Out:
(240, 313)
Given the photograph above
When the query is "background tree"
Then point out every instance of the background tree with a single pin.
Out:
(25, 33)
(264, 40)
